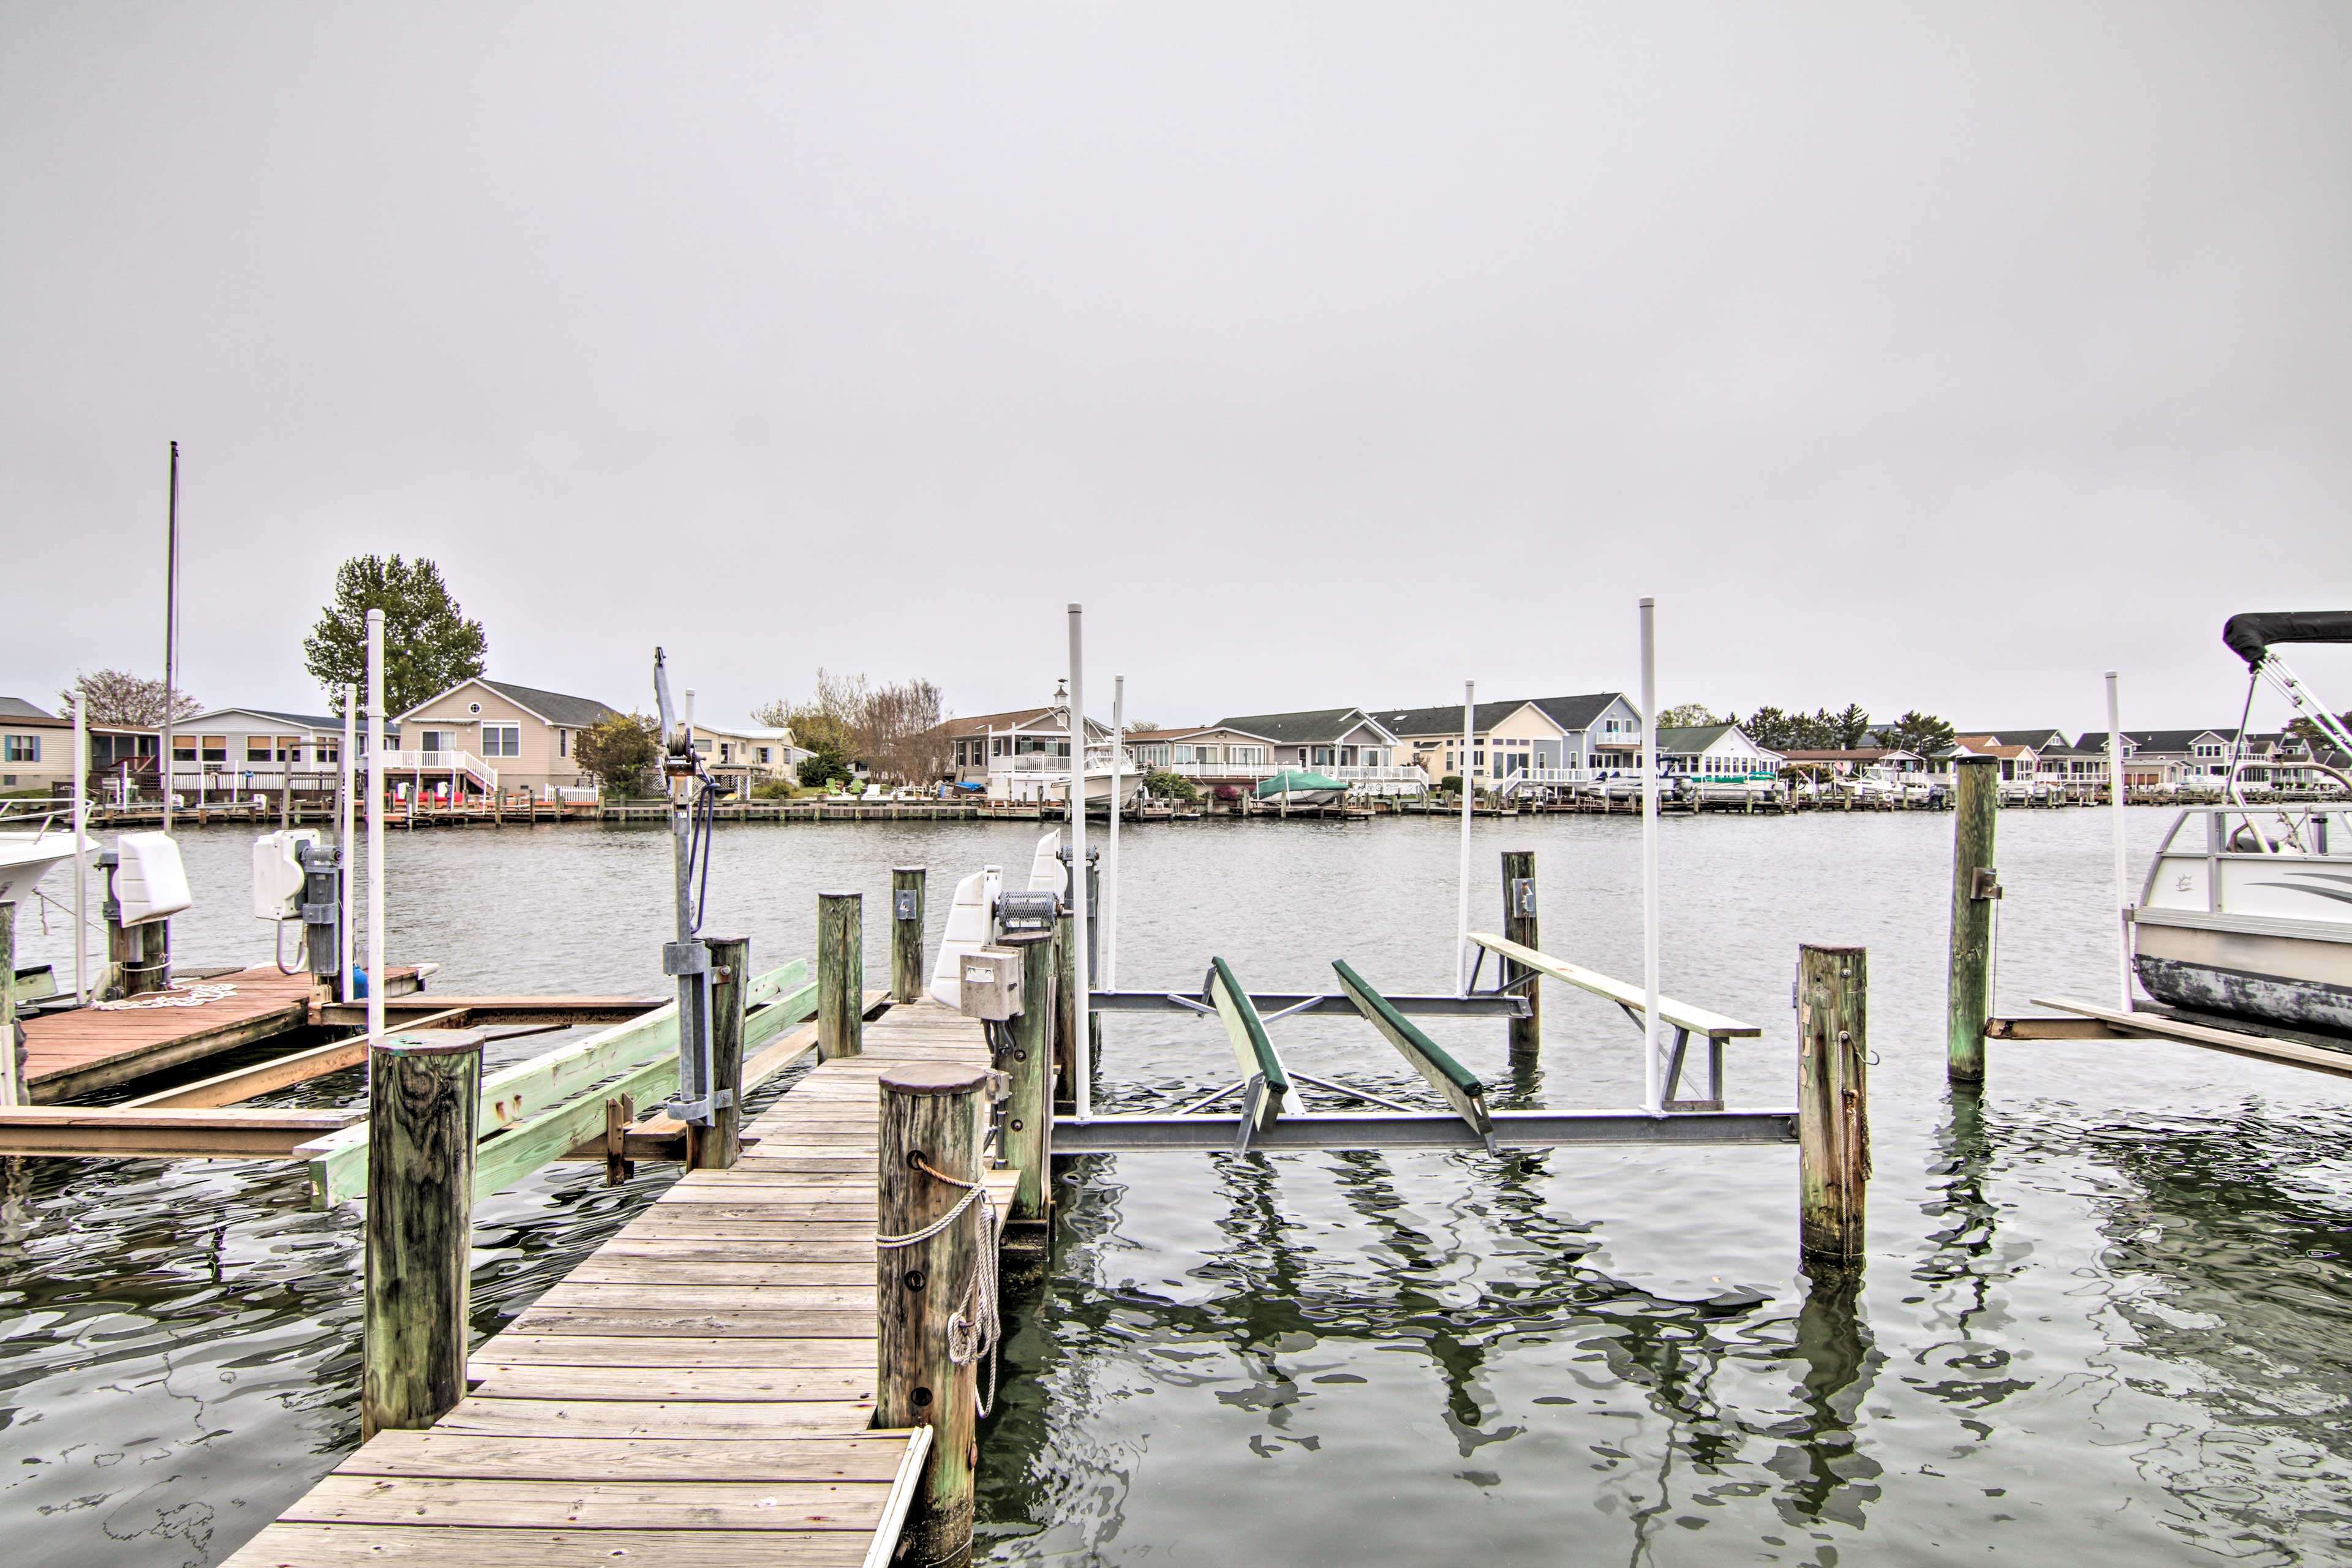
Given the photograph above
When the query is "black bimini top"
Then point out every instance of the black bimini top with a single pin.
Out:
(2250, 636)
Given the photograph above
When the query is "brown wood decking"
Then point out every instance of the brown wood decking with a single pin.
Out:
(90, 1049)
(697, 1391)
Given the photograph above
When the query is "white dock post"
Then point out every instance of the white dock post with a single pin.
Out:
(1461, 878)
(1083, 1047)
(1650, 1086)
(1109, 916)
(346, 841)
(2123, 867)
(81, 866)
(375, 831)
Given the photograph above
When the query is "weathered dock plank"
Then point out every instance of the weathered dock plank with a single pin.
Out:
(93, 1049)
(700, 1390)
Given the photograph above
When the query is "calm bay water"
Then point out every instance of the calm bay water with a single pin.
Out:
(2107, 1314)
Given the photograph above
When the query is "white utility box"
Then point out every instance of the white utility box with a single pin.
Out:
(150, 883)
(278, 875)
(991, 983)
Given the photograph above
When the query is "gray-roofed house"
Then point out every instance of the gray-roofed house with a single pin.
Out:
(1603, 730)
(1349, 743)
(483, 734)
(228, 753)
(1511, 741)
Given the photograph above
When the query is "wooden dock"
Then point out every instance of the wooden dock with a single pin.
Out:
(93, 1048)
(698, 1390)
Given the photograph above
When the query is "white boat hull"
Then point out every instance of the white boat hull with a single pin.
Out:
(25, 859)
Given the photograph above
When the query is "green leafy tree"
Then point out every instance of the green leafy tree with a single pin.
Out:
(1170, 787)
(622, 751)
(1687, 715)
(429, 645)
(1921, 732)
(826, 764)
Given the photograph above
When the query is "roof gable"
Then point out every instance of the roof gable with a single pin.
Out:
(1581, 712)
(1309, 727)
(547, 707)
(18, 708)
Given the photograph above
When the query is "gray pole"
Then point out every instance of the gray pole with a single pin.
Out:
(171, 633)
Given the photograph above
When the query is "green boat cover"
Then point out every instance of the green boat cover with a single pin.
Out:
(1290, 779)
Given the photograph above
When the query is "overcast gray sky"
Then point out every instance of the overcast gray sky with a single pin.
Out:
(1915, 355)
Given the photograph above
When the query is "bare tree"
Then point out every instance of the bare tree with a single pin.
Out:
(896, 730)
(118, 697)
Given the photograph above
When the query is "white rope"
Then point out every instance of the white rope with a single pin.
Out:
(973, 1329)
(193, 994)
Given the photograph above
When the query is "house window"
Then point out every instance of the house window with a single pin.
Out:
(257, 748)
(765, 757)
(216, 748)
(24, 748)
(323, 752)
(184, 748)
(1251, 756)
(432, 743)
(563, 742)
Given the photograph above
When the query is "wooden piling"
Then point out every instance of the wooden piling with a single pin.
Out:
(1519, 926)
(1065, 1015)
(907, 933)
(1976, 808)
(840, 975)
(1028, 1136)
(12, 1066)
(423, 1108)
(930, 1117)
(1832, 1102)
(719, 1145)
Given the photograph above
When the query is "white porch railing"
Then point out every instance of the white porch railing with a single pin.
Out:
(453, 762)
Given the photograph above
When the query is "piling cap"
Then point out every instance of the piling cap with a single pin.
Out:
(934, 1077)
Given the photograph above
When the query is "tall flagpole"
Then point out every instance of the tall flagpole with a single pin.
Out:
(1109, 917)
(171, 632)
(2123, 864)
(375, 974)
(1651, 1089)
(1462, 876)
(80, 865)
(1084, 1045)
(346, 841)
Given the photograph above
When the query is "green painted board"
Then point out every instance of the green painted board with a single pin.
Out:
(1462, 1088)
(508, 1153)
(1253, 1052)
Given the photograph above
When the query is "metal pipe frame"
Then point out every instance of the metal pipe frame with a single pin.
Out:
(1440, 1130)
(1269, 1004)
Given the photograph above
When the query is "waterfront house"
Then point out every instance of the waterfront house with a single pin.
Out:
(1208, 755)
(2163, 757)
(987, 742)
(1509, 740)
(235, 753)
(482, 735)
(35, 748)
(1714, 751)
(2018, 763)
(743, 756)
(1346, 743)
(1601, 731)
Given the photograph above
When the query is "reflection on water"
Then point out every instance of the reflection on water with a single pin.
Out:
(2107, 1316)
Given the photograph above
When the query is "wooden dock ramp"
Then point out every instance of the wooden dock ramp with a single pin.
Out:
(698, 1390)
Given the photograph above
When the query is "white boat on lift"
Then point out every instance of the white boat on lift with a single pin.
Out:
(29, 847)
(2247, 909)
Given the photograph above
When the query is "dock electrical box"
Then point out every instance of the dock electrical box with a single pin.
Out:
(278, 873)
(989, 984)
